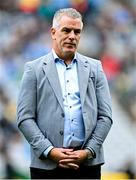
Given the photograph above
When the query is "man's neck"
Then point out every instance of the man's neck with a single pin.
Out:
(66, 57)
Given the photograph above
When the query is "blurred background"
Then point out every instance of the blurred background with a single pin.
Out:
(109, 35)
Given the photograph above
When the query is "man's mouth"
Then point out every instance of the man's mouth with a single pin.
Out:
(71, 44)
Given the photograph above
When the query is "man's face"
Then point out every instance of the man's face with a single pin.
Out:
(66, 36)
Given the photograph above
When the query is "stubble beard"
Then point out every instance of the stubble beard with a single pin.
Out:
(67, 54)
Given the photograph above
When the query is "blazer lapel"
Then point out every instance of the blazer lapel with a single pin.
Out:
(52, 75)
(83, 75)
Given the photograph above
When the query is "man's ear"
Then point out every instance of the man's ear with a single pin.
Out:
(53, 31)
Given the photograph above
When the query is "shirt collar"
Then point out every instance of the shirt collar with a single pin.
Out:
(56, 58)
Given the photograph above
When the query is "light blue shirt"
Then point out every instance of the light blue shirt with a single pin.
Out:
(74, 132)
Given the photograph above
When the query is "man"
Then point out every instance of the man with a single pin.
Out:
(64, 108)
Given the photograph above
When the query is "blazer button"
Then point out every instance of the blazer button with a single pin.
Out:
(61, 133)
(63, 115)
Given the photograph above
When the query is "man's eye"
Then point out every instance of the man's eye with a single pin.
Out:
(66, 30)
(69, 30)
(77, 31)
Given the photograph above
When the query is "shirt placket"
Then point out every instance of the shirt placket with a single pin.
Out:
(68, 92)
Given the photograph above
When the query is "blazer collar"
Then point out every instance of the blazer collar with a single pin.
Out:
(83, 68)
(50, 70)
(56, 57)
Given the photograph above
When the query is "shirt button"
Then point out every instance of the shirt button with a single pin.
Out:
(72, 120)
(62, 114)
(70, 106)
(68, 93)
(61, 133)
(67, 81)
(73, 134)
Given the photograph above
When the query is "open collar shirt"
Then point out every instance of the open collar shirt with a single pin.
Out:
(73, 126)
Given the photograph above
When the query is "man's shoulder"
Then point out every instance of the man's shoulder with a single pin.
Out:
(39, 61)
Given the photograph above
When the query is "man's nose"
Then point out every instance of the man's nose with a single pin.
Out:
(72, 35)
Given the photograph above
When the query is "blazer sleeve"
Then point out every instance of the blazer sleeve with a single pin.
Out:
(26, 112)
(104, 116)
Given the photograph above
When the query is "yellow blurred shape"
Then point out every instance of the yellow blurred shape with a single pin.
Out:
(114, 175)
